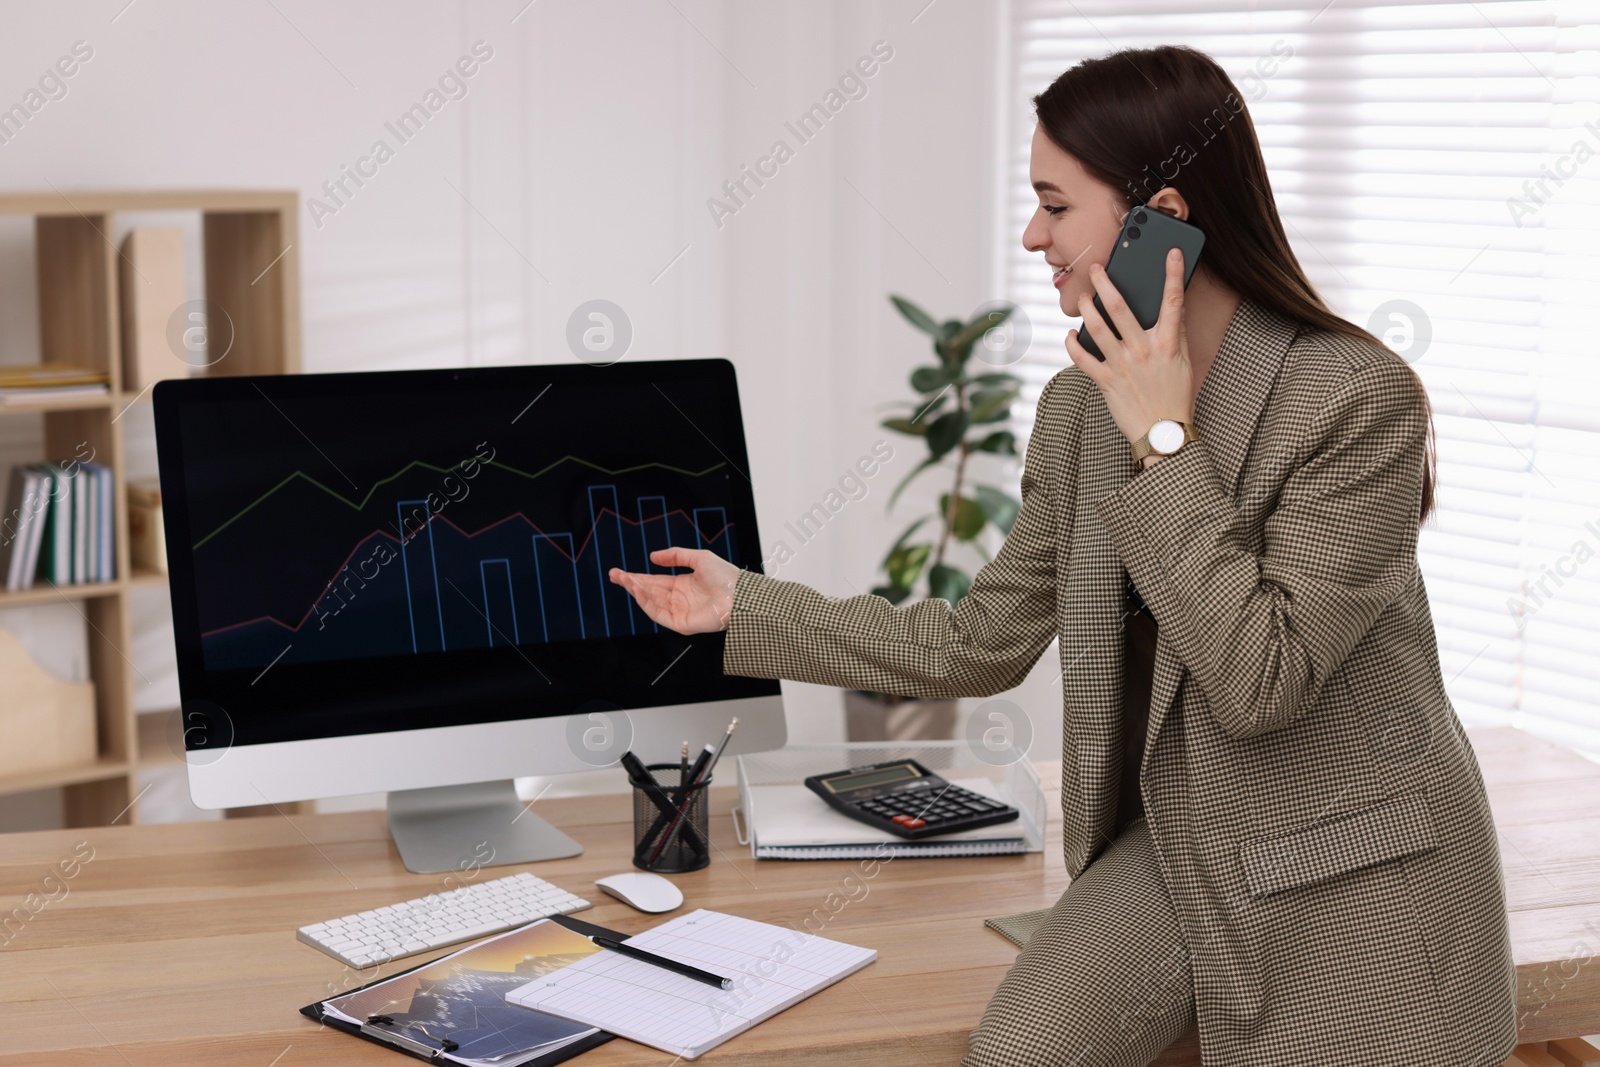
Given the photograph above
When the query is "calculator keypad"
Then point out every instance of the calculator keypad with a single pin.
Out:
(952, 808)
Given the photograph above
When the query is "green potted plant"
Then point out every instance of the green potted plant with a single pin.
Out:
(956, 414)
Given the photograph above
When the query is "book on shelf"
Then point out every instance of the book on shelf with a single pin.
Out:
(24, 397)
(21, 531)
(95, 480)
(49, 375)
(79, 482)
(58, 533)
(34, 383)
(59, 523)
(105, 487)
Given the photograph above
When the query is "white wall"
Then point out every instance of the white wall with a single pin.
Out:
(578, 165)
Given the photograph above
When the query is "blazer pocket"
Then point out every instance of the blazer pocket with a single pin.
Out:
(1399, 826)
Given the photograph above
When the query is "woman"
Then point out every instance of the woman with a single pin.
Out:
(1275, 827)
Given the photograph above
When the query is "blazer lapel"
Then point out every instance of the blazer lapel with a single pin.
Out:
(1092, 644)
(1226, 413)
(1227, 409)
(1236, 388)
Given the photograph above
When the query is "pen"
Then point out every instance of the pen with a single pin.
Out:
(683, 766)
(722, 746)
(684, 969)
(634, 766)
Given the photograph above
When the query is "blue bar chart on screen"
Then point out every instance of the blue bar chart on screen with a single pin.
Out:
(397, 588)
(465, 541)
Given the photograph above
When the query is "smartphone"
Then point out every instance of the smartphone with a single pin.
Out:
(1137, 266)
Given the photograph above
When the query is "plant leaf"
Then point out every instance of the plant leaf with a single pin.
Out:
(916, 316)
(948, 582)
(992, 405)
(923, 409)
(905, 565)
(946, 432)
(915, 429)
(1001, 443)
(922, 406)
(904, 537)
(980, 325)
(969, 517)
(1001, 508)
(930, 379)
(997, 378)
(894, 594)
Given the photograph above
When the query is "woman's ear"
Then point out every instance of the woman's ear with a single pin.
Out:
(1170, 201)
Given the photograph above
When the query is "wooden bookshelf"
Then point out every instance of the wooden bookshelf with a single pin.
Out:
(244, 233)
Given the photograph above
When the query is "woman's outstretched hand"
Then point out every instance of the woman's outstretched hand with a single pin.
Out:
(688, 603)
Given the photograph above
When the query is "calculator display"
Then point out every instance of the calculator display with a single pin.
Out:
(900, 773)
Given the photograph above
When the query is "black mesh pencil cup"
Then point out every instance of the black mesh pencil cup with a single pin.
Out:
(665, 841)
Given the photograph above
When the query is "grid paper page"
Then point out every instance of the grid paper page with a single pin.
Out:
(771, 966)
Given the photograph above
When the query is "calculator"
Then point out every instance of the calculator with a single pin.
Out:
(906, 799)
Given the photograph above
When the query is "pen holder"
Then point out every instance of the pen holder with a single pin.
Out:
(688, 848)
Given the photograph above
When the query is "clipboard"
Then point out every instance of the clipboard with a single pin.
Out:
(417, 1050)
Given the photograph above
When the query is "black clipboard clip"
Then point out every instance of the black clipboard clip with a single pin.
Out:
(375, 1026)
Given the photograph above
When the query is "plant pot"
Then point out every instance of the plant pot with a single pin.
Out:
(869, 718)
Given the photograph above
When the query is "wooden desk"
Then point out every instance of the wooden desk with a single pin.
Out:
(175, 943)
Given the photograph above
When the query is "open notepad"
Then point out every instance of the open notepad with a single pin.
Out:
(772, 967)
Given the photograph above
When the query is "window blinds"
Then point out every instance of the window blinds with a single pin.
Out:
(1437, 168)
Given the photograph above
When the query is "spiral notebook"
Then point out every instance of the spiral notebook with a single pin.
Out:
(772, 967)
(789, 821)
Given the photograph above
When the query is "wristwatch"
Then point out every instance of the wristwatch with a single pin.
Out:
(1163, 439)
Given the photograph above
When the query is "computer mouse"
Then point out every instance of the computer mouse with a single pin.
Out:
(642, 890)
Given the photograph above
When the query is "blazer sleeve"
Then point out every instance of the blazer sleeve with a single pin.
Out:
(1261, 633)
(985, 645)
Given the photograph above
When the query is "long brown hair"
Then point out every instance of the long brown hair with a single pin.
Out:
(1139, 118)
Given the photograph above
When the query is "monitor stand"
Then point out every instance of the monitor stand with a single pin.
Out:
(460, 827)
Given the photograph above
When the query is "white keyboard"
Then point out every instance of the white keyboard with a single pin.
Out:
(439, 919)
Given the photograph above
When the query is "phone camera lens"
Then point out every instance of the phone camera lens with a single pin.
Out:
(1139, 216)
(1133, 232)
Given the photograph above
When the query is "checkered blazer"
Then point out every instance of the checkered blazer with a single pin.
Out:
(1318, 812)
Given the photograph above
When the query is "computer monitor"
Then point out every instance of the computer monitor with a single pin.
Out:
(398, 581)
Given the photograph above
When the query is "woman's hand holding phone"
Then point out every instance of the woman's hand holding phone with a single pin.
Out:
(1146, 375)
(688, 603)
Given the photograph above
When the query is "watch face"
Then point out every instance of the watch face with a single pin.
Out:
(1166, 436)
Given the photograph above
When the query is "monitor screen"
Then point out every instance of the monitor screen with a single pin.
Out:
(366, 552)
